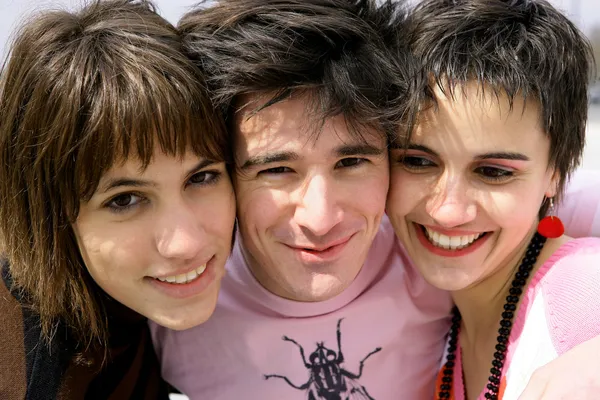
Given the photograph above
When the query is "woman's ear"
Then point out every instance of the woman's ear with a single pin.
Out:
(552, 188)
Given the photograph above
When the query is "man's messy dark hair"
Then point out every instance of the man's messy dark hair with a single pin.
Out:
(337, 52)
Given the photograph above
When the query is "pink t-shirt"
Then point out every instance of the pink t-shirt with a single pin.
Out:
(560, 309)
(388, 312)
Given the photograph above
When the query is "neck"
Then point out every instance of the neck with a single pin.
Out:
(482, 304)
(481, 307)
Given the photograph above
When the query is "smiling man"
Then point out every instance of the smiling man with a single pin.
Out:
(320, 300)
(306, 228)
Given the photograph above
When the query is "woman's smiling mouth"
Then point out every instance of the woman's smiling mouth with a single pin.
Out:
(184, 278)
(449, 245)
(450, 242)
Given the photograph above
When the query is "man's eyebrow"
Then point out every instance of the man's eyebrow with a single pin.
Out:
(503, 156)
(130, 182)
(264, 159)
(358, 150)
(342, 151)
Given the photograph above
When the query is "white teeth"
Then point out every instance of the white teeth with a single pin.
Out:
(450, 242)
(191, 275)
(455, 241)
(184, 278)
(465, 240)
(444, 241)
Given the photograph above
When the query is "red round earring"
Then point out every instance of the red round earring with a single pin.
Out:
(551, 226)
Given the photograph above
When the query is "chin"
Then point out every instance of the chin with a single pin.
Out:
(315, 297)
(446, 285)
(187, 324)
(326, 288)
(184, 323)
(448, 280)
(186, 317)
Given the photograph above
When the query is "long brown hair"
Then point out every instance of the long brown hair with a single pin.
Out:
(79, 92)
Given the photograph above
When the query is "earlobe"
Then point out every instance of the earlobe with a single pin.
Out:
(552, 189)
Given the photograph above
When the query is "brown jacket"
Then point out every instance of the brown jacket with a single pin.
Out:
(33, 370)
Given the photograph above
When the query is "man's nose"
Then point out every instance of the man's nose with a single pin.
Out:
(317, 207)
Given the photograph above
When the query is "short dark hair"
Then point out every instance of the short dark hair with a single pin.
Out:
(518, 48)
(79, 92)
(335, 51)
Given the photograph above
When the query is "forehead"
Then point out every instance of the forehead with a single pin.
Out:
(289, 125)
(479, 116)
(160, 166)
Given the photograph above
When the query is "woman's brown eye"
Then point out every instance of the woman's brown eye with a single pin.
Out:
(416, 162)
(123, 200)
(494, 173)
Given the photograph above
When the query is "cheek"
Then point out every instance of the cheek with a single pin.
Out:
(260, 208)
(367, 194)
(109, 254)
(372, 205)
(216, 213)
(119, 264)
(515, 207)
(378, 189)
(406, 192)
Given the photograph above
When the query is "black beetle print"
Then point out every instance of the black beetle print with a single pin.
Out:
(328, 380)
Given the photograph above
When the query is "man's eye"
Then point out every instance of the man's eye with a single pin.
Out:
(275, 170)
(415, 162)
(350, 162)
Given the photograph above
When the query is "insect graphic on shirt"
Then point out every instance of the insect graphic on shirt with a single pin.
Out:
(328, 380)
